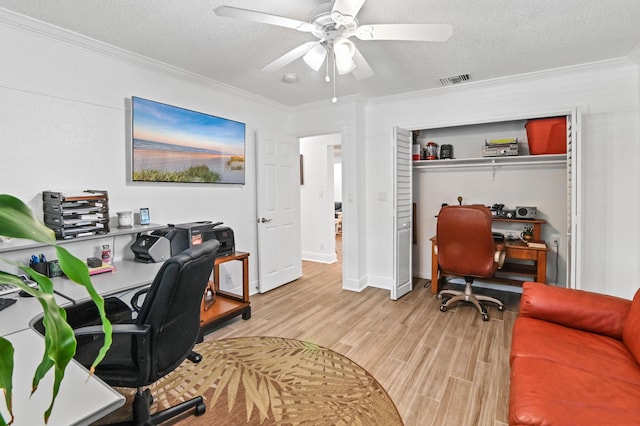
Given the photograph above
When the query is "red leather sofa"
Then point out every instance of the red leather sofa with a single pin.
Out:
(575, 358)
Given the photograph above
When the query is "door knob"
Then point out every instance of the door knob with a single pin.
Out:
(264, 220)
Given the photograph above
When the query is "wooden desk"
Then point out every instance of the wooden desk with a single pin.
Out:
(219, 305)
(537, 225)
(515, 250)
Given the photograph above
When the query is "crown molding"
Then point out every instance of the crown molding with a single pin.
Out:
(52, 32)
(511, 79)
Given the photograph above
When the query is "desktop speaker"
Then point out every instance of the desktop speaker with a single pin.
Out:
(526, 212)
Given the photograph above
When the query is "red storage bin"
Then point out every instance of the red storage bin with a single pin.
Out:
(547, 135)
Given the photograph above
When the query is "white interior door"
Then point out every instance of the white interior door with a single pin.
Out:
(278, 203)
(403, 212)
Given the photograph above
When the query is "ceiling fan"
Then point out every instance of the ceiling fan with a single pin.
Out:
(333, 26)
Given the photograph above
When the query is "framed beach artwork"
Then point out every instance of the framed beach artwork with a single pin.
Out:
(173, 144)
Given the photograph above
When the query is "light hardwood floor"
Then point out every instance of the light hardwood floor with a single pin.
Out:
(440, 368)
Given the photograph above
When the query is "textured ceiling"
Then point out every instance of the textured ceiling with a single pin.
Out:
(491, 39)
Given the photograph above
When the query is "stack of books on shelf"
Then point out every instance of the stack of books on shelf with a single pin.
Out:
(536, 244)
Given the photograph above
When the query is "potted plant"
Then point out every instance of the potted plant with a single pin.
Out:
(527, 233)
(17, 221)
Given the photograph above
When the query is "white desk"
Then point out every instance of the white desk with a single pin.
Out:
(82, 399)
(18, 316)
(128, 275)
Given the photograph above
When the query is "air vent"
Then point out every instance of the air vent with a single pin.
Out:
(455, 79)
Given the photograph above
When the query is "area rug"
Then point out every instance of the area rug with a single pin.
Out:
(272, 381)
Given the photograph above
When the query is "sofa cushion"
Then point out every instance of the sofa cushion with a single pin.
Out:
(545, 392)
(631, 334)
(583, 310)
(583, 351)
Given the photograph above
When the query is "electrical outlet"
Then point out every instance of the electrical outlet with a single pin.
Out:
(555, 242)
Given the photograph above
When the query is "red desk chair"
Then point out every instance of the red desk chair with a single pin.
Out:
(465, 247)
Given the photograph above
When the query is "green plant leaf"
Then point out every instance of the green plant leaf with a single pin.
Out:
(6, 374)
(17, 221)
(77, 271)
(60, 346)
(60, 342)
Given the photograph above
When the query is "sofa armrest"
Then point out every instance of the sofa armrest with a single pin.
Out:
(579, 309)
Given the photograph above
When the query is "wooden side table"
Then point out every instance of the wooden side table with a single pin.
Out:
(219, 305)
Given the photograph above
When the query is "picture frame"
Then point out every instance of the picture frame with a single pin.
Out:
(174, 144)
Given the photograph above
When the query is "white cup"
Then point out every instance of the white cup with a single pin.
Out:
(125, 219)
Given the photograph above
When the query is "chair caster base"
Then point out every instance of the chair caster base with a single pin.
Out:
(200, 409)
(194, 357)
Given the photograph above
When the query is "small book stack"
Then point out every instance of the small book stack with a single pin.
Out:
(105, 267)
(536, 244)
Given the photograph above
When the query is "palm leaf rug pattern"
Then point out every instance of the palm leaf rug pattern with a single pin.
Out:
(275, 381)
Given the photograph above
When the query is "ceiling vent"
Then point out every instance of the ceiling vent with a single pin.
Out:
(455, 79)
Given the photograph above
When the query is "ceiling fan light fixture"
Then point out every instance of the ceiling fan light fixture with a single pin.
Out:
(345, 66)
(344, 50)
(315, 57)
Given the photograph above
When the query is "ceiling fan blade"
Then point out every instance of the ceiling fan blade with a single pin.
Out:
(362, 70)
(345, 10)
(290, 56)
(265, 18)
(407, 32)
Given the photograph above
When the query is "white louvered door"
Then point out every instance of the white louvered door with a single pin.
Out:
(403, 220)
(574, 199)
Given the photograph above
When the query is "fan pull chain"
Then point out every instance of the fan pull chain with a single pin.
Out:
(335, 99)
(326, 76)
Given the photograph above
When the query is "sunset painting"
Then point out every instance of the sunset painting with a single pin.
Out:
(172, 144)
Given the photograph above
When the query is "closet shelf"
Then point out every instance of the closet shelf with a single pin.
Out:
(521, 160)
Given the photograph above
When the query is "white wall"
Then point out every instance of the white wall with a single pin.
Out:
(346, 117)
(337, 181)
(608, 94)
(543, 187)
(65, 127)
(317, 199)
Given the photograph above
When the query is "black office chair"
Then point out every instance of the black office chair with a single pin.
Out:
(160, 338)
(465, 247)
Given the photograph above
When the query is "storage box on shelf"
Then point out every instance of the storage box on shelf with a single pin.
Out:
(71, 216)
(547, 135)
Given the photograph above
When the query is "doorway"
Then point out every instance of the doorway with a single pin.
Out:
(320, 192)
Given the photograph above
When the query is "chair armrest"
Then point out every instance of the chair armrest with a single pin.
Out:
(500, 255)
(133, 329)
(579, 309)
(131, 346)
(134, 300)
